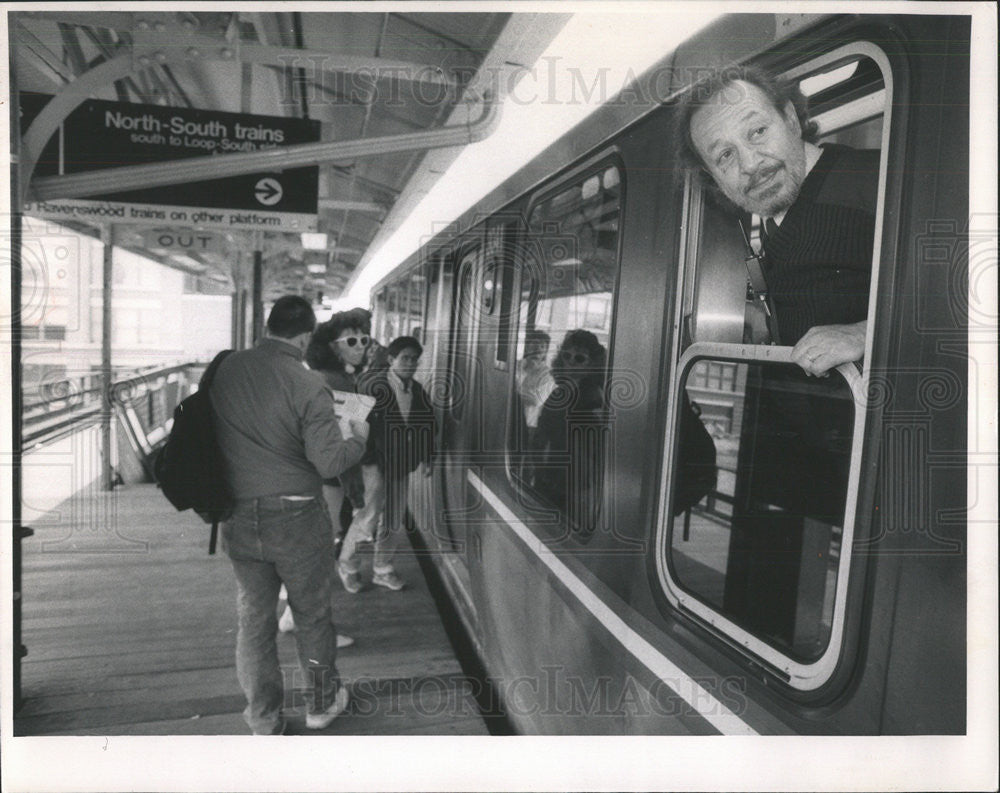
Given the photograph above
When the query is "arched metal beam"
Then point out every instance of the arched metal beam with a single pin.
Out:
(60, 106)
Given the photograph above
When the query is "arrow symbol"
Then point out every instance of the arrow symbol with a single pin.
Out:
(268, 191)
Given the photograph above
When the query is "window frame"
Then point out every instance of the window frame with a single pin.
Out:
(800, 676)
(596, 164)
(509, 228)
(798, 673)
(472, 242)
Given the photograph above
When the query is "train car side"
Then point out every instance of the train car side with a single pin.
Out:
(571, 619)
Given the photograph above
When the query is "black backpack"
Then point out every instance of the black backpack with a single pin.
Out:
(189, 466)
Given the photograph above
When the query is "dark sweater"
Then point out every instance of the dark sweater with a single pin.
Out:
(401, 444)
(818, 262)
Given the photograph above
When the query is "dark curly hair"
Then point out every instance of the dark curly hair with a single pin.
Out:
(319, 354)
(707, 92)
(588, 342)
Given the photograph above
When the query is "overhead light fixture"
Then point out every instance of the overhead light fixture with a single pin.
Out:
(314, 240)
(316, 269)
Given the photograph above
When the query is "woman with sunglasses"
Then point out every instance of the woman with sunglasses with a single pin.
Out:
(338, 350)
(570, 427)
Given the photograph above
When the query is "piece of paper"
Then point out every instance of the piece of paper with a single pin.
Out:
(350, 405)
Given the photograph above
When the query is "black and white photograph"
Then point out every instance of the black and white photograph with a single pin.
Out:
(499, 396)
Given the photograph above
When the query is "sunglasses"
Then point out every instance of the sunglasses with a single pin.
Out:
(574, 357)
(351, 341)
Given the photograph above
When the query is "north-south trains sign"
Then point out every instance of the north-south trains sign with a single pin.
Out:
(101, 134)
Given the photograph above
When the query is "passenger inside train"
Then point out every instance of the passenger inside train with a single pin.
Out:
(534, 379)
(569, 438)
(568, 284)
(752, 136)
(751, 142)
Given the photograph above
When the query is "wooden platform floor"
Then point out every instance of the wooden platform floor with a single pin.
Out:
(130, 630)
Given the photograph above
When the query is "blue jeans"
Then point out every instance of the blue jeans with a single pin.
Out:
(273, 541)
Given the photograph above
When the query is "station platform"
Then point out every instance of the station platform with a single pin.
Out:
(131, 627)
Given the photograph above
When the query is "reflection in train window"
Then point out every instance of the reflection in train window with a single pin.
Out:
(569, 268)
(763, 546)
(498, 285)
(414, 319)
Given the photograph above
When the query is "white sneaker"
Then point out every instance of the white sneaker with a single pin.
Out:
(317, 721)
(350, 579)
(389, 580)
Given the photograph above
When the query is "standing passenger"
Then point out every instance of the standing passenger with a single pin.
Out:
(279, 437)
(337, 351)
(402, 424)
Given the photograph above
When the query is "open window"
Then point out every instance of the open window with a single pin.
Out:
(760, 554)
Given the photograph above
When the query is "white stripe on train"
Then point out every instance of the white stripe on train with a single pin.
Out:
(702, 701)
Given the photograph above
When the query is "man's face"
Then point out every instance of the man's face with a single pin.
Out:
(754, 153)
(404, 364)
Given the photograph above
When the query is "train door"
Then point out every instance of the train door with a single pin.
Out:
(462, 416)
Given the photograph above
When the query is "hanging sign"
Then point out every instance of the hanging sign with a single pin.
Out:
(101, 134)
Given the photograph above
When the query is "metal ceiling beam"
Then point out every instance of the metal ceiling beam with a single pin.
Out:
(73, 48)
(114, 180)
(458, 45)
(43, 52)
(347, 172)
(98, 19)
(369, 104)
(523, 39)
(351, 206)
(321, 61)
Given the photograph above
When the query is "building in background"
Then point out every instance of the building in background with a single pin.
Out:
(161, 316)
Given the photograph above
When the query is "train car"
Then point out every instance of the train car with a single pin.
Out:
(599, 596)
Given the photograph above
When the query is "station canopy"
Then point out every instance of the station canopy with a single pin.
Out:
(370, 78)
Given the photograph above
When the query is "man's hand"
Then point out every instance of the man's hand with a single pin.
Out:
(359, 429)
(826, 346)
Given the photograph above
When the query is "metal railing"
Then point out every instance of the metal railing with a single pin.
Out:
(146, 398)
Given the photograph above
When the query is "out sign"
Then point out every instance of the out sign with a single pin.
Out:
(184, 241)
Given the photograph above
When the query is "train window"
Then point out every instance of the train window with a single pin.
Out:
(415, 307)
(569, 267)
(379, 309)
(762, 461)
(498, 286)
(769, 447)
(392, 311)
(466, 330)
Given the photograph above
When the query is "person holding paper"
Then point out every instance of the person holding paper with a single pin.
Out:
(337, 351)
(279, 438)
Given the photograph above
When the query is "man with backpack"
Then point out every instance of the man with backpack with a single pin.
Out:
(279, 439)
